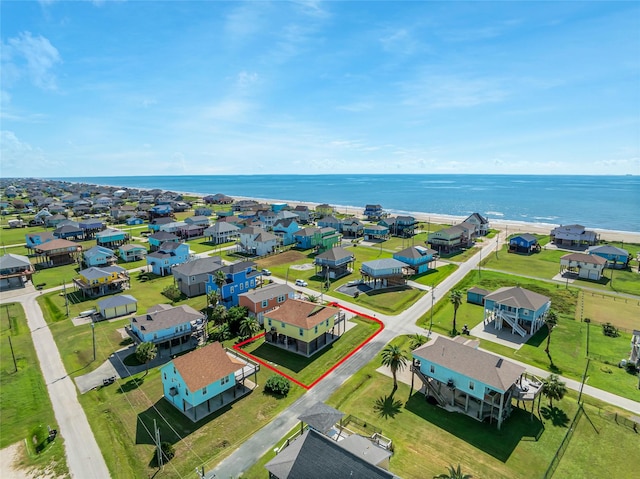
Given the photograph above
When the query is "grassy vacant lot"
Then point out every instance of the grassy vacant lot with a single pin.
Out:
(122, 414)
(546, 264)
(427, 439)
(145, 287)
(435, 276)
(24, 402)
(389, 301)
(568, 342)
(603, 308)
(307, 370)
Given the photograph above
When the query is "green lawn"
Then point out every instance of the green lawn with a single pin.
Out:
(568, 343)
(435, 276)
(427, 439)
(122, 413)
(24, 402)
(389, 301)
(307, 370)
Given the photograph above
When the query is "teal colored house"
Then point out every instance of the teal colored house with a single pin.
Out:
(111, 237)
(476, 295)
(463, 379)
(160, 210)
(133, 220)
(616, 257)
(418, 258)
(522, 310)
(204, 380)
(375, 232)
(35, 239)
(168, 255)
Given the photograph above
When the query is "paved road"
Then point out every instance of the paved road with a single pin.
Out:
(84, 458)
(260, 443)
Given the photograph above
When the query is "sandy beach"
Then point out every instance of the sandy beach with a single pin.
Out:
(503, 225)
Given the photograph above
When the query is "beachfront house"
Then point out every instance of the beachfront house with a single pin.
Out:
(463, 379)
(15, 271)
(418, 258)
(323, 210)
(98, 281)
(234, 280)
(256, 241)
(132, 252)
(99, 256)
(303, 327)
(167, 326)
(524, 243)
(221, 232)
(480, 222)
(616, 257)
(334, 263)
(373, 212)
(573, 236)
(522, 310)
(262, 300)
(384, 273)
(166, 256)
(203, 381)
(192, 276)
(116, 306)
(585, 266)
(304, 213)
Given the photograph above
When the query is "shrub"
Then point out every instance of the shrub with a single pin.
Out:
(168, 451)
(610, 330)
(276, 384)
(172, 292)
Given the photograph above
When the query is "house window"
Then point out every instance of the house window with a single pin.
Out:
(246, 284)
(281, 299)
(282, 325)
(327, 323)
(186, 392)
(265, 303)
(204, 390)
(269, 321)
(252, 283)
(174, 370)
(166, 261)
(193, 278)
(155, 336)
(432, 369)
(241, 286)
(165, 375)
(316, 330)
(232, 289)
(471, 385)
(301, 332)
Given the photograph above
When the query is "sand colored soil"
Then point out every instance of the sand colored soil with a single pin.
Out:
(10, 467)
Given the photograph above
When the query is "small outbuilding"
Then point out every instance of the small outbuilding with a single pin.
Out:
(116, 306)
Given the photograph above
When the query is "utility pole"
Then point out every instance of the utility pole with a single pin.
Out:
(157, 439)
(431, 320)
(588, 321)
(15, 365)
(8, 316)
(93, 334)
(66, 300)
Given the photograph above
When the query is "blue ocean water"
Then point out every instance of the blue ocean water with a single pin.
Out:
(606, 202)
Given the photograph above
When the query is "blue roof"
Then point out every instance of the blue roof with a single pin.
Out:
(113, 301)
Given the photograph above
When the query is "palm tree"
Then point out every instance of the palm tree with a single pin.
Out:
(312, 298)
(219, 315)
(553, 388)
(455, 297)
(417, 340)
(145, 353)
(453, 473)
(249, 326)
(220, 279)
(395, 359)
(550, 320)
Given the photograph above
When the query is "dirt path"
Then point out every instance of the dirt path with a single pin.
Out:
(10, 467)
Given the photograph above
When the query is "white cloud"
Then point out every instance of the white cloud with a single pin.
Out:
(434, 91)
(16, 154)
(32, 56)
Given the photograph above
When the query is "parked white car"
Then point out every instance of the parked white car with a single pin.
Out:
(301, 282)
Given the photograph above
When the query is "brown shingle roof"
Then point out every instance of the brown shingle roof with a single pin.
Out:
(584, 258)
(57, 244)
(302, 314)
(206, 365)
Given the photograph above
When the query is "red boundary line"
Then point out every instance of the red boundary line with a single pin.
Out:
(238, 347)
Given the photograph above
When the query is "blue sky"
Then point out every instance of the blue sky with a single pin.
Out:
(141, 87)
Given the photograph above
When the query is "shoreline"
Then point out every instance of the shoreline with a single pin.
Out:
(515, 226)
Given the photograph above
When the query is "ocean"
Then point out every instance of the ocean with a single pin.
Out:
(601, 202)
